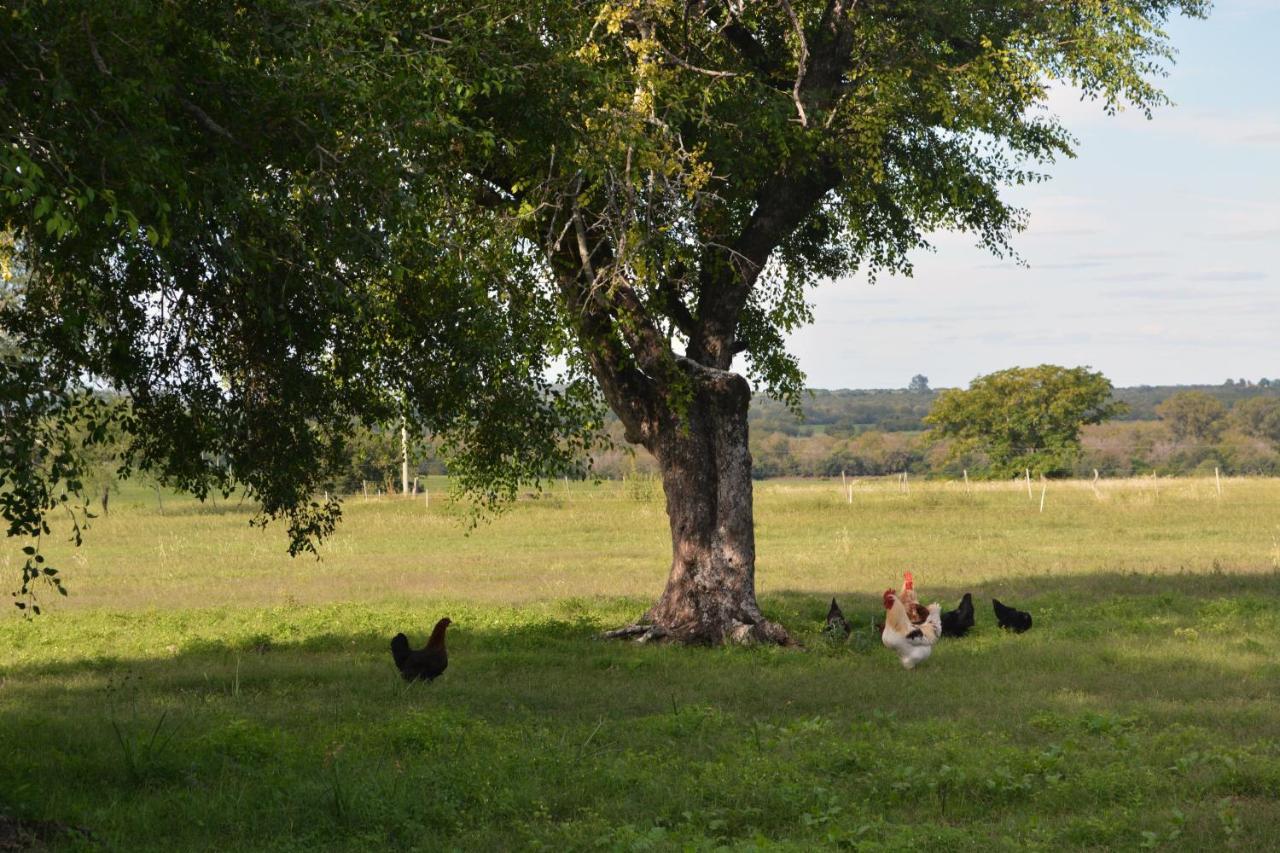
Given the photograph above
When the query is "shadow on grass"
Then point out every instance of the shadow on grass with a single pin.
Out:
(807, 608)
(181, 506)
(1114, 634)
(1130, 673)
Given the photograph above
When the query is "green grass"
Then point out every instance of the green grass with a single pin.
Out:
(199, 690)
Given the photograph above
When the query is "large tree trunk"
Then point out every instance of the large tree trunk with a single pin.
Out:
(690, 412)
(706, 475)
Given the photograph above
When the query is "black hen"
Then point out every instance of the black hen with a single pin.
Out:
(426, 663)
(837, 626)
(956, 623)
(1011, 617)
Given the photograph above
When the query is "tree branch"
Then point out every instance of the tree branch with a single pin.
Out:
(802, 62)
(490, 194)
(783, 200)
(205, 119)
(782, 204)
(680, 313)
(831, 56)
(619, 338)
(93, 46)
(689, 66)
(730, 28)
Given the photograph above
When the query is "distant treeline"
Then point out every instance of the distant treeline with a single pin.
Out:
(846, 412)
(880, 432)
(871, 433)
(1118, 449)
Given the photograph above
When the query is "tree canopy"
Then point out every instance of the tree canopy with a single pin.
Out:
(221, 217)
(1024, 418)
(256, 223)
(1259, 417)
(1193, 415)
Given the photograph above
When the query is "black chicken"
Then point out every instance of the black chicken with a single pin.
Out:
(956, 623)
(837, 626)
(1011, 617)
(426, 663)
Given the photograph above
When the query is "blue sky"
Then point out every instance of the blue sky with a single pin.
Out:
(1154, 255)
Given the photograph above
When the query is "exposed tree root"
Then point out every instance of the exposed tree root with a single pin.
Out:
(641, 633)
(763, 632)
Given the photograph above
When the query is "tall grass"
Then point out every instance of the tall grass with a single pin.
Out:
(200, 690)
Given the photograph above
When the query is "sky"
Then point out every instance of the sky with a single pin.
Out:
(1153, 256)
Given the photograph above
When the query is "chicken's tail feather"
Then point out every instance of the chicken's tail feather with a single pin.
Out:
(400, 649)
(895, 618)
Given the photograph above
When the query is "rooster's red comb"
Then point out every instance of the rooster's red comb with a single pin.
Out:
(908, 581)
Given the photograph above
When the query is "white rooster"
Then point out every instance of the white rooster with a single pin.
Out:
(912, 643)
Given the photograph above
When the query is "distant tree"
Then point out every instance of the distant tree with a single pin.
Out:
(1193, 416)
(1258, 417)
(1264, 382)
(919, 383)
(1024, 417)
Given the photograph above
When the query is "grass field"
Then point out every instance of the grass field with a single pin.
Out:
(199, 690)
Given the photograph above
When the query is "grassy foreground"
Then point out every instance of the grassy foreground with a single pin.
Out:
(200, 691)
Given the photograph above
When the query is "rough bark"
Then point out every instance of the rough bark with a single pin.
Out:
(706, 474)
(691, 413)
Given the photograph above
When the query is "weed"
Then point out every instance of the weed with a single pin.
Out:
(143, 746)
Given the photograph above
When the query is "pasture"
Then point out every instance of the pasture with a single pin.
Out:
(200, 690)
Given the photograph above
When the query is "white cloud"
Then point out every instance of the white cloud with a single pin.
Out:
(1149, 257)
(1227, 275)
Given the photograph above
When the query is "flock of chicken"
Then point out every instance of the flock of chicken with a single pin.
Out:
(910, 629)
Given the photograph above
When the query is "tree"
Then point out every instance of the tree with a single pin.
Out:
(267, 216)
(1024, 417)
(220, 224)
(1259, 417)
(1193, 416)
(919, 383)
